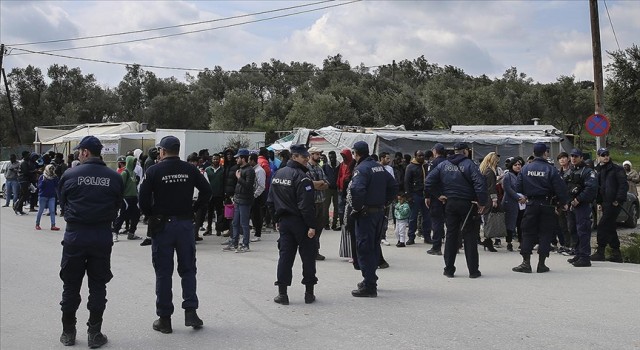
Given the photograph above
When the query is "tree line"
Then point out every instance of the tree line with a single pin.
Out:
(275, 95)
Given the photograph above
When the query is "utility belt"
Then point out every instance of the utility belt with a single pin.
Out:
(541, 200)
(158, 222)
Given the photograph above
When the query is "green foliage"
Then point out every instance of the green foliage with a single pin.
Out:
(276, 95)
(630, 251)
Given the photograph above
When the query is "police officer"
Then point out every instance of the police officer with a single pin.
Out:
(371, 189)
(291, 200)
(539, 182)
(90, 196)
(583, 188)
(612, 193)
(166, 198)
(458, 184)
(436, 208)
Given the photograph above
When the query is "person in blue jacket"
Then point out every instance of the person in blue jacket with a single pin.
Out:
(371, 189)
(90, 196)
(291, 199)
(166, 197)
(458, 183)
(583, 188)
(541, 187)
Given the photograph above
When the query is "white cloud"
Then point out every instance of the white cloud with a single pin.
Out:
(542, 39)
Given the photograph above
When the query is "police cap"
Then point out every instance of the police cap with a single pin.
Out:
(170, 143)
(460, 146)
(299, 149)
(540, 148)
(361, 147)
(603, 152)
(576, 152)
(91, 143)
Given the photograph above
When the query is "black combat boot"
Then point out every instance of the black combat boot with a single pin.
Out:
(68, 336)
(191, 319)
(616, 256)
(163, 325)
(541, 266)
(308, 294)
(598, 255)
(282, 297)
(364, 291)
(95, 337)
(525, 266)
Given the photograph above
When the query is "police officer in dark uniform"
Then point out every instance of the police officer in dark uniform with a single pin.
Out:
(291, 200)
(539, 182)
(166, 197)
(371, 189)
(436, 209)
(458, 184)
(90, 196)
(583, 188)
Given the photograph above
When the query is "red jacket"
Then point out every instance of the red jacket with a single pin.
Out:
(264, 164)
(344, 171)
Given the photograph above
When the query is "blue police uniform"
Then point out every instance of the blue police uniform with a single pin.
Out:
(90, 196)
(371, 188)
(459, 179)
(167, 192)
(436, 212)
(539, 182)
(583, 187)
(291, 199)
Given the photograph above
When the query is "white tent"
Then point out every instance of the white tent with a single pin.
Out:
(53, 137)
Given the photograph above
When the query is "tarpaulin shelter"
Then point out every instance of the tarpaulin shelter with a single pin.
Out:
(63, 140)
(506, 140)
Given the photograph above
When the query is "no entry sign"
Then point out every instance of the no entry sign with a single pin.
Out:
(597, 125)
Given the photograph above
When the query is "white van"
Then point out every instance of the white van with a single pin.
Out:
(4, 165)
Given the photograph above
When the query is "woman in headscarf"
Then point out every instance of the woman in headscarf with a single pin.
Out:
(632, 177)
(510, 205)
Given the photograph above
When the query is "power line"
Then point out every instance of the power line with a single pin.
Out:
(610, 22)
(193, 31)
(182, 68)
(168, 27)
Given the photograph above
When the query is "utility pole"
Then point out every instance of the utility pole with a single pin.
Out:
(1, 55)
(598, 84)
(6, 87)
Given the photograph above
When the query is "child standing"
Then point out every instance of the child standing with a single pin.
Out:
(47, 185)
(401, 213)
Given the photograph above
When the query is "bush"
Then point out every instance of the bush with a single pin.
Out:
(631, 250)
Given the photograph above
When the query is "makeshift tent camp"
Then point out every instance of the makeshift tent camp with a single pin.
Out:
(213, 140)
(53, 137)
(506, 140)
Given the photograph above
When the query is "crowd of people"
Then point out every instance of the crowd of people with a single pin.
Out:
(442, 195)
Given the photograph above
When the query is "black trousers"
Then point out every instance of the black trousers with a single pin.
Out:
(538, 226)
(216, 206)
(96, 262)
(25, 197)
(607, 234)
(456, 211)
(257, 213)
(128, 212)
(293, 237)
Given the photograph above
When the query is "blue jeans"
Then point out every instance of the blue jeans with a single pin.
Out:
(12, 189)
(241, 216)
(48, 202)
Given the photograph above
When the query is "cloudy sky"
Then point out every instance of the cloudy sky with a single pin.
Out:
(544, 39)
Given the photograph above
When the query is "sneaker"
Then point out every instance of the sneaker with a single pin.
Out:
(385, 242)
(400, 245)
(255, 239)
(115, 237)
(38, 227)
(133, 237)
(229, 248)
(320, 257)
(410, 242)
(583, 262)
(384, 265)
(146, 241)
(243, 249)
(573, 260)
(55, 228)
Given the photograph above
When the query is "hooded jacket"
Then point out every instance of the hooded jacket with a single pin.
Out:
(344, 172)
(129, 177)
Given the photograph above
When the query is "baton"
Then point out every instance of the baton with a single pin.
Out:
(467, 217)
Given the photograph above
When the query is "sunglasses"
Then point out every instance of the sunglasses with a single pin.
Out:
(604, 155)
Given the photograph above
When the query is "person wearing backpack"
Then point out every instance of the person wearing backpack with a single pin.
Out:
(129, 210)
